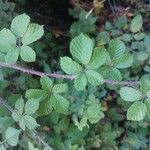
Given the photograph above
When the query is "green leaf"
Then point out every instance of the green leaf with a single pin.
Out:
(45, 107)
(30, 122)
(2, 57)
(12, 136)
(98, 58)
(7, 39)
(147, 104)
(130, 94)
(116, 33)
(69, 66)
(136, 24)
(59, 103)
(46, 83)
(19, 25)
(2, 147)
(123, 61)
(142, 56)
(60, 88)
(82, 123)
(19, 105)
(144, 84)
(94, 77)
(80, 82)
(1, 75)
(108, 26)
(94, 113)
(31, 106)
(116, 48)
(126, 37)
(7, 36)
(22, 123)
(102, 38)
(12, 55)
(27, 54)
(110, 73)
(147, 43)
(33, 33)
(121, 22)
(139, 36)
(84, 24)
(31, 146)
(81, 48)
(148, 94)
(136, 111)
(114, 74)
(16, 116)
(36, 94)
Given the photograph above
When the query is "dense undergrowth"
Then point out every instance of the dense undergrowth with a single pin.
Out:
(78, 78)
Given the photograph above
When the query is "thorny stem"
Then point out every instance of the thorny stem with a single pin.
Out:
(36, 136)
(38, 73)
(68, 77)
(127, 82)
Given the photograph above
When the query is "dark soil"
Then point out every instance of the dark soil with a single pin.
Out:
(51, 13)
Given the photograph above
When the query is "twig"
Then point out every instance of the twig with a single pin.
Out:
(38, 73)
(92, 9)
(34, 132)
(127, 82)
(68, 77)
(89, 13)
(115, 6)
(111, 7)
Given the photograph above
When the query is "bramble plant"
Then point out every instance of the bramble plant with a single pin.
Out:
(95, 65)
